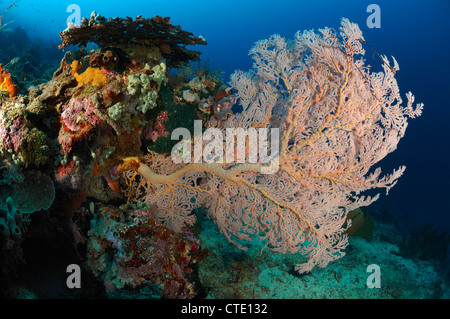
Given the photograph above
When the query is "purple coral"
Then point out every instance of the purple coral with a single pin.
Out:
(157, 129)
(78, 118)
(78, 112)
(13, 133)
(141, 252)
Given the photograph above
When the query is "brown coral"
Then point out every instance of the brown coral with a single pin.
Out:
(106, 60)
(126, 32)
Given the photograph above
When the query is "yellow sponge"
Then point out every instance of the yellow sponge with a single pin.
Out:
(93, 75)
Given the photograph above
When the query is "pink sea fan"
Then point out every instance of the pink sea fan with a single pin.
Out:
(336, 120)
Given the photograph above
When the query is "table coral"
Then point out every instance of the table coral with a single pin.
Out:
(126, 32)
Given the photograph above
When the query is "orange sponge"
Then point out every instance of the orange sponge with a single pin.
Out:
(93, 75)
(6, 83)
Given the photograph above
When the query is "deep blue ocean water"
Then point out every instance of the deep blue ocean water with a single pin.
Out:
(416, 33)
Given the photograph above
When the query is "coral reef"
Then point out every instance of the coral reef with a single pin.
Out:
(86, 160)
(62, 145)
(24, 67)
(131, 252)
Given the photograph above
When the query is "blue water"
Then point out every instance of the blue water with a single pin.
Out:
(416, 32)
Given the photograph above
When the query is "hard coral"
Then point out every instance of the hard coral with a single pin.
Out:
(18, 136)
(140, 254)
(37, 193)
(126, 32)
(12, 131)
(107, 60)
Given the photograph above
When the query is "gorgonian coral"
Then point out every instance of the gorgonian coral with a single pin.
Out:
(336, 119)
